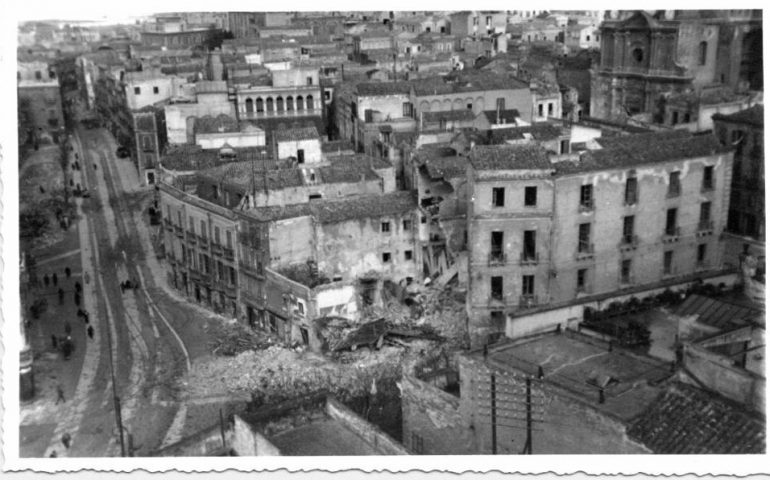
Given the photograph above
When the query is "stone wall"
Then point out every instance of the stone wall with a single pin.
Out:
(248, 443)
(372, 435)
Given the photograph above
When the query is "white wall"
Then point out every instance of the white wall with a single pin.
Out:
(235, 139)
(312, 148)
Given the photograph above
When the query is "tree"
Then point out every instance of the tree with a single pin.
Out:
(33, 223)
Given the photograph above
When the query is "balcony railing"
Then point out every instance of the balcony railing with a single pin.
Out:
(282, 113)
(586, 206)
(228, 253)
(529, 258)
(528, 301)
(192, 239)
(179, 232)
(629, 242)
(707, 187)
(216, 249)
(585, 251)
(671, 235)
(203, 242)
(496, 299)
(626, 281)
(705, 227)
(497, 258)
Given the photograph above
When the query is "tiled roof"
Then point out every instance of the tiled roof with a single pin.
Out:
(335, 146)
(631, 150)
(541, 132)
(451, 115)
(447, 167)
(716, 312)
(369, 89)
(359, 160)
(687, 420)
(218, 124)
(192, 157)
(295, 134)
(509, 157)
(468, 83)
(751, 116)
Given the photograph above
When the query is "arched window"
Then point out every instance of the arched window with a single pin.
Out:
(249, 106)
(300, 104)
(279, 104)
(309, 102)
(269, 104)
(260, 105)
(702, 53)
(289, 103)
(638, 55)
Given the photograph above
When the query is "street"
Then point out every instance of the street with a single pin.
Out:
(145, 338)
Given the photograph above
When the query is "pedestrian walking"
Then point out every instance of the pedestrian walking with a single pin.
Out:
(46, 280)
(72, 182)
(54, 279)
(66, 440)
(85, 317)
(42, 190)
(94, 166)
(54, 343)
(67, 272)
(61, 296)
(90, 331)
(60, 395)
(78, 287)
(67, 328)
(122, 287)
(77, 299)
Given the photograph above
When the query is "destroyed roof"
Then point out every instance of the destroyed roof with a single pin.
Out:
(371, 89)
(451, 115)
(541, 132)
(190, 157)
(751, 116)
(367, 334)
(469, 83)
(510, 157)
(716, 312)
(686, 420)
(219, 124)
(629, 151)
(359, 160)
(273, 174)
(509, 115)
(296, 134)
(446, 167)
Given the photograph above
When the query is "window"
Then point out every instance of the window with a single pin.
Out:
(309, 80)
(386, 257)
(668, 260)
(192, 226)
(203, 229)
(674, 186)
(423, 219)
(407, 254)
(231, 271)
(705, 216)
(529, 252)
(540, 110)
(155, 90)
(385, 227)
(530, 196)
(137, 90)
(581, 279)
(38, 75)
(584, 238)
(702, 53)
(496, 245)
(628, 229)
(550, 109)
(496, 288)
(179, 218)
(407, 225)
(708, 178)
(638, 55)
(229, 239)
(671, 222)
(469, 106)
(406, 108)
(701, 258)
(217, 238)
(300, 155)
(528, 285)
(625, 271)
(587, 197)
(417, 444)
(631, 191)
(498, 196)
(674, 117)
(300, 308)
(564, 146)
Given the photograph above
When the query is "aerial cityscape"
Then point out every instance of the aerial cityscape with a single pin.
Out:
(392, 233)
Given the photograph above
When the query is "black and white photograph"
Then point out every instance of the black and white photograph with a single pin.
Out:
(395, 234)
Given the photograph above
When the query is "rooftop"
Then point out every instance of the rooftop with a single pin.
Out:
(510, 157)
(541, 132)
(509, 115)
(369, 89)
(296, 134)
(467, 83)
(686, 420)
(752, 116)
(451, 115)
(643, 149)
(583, 366)
(446, 167)
(219, 124)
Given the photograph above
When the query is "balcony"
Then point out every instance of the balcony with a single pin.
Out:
(626, 281)
(674, 190)
(628, 243)
(178, 231)
(203, 242)
(169, 226)
(192, 239)
(249, 270)
(707, 187)
(281, 114)
(216, 249)
(586, 206)
(496, 299)
(529, 258)
(585, 252)
(671, 235)
(705, 228)
(497, 258)
(527, 301)
(228, 253)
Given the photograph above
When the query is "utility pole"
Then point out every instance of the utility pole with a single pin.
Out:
(493, 400)
(528, 444)
(393, 44)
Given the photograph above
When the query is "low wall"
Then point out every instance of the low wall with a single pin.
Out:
(368, 432)
(207, 442)
(714, 372)
(248, 443)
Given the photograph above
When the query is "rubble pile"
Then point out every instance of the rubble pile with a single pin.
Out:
(444, 310)
(230, 339)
